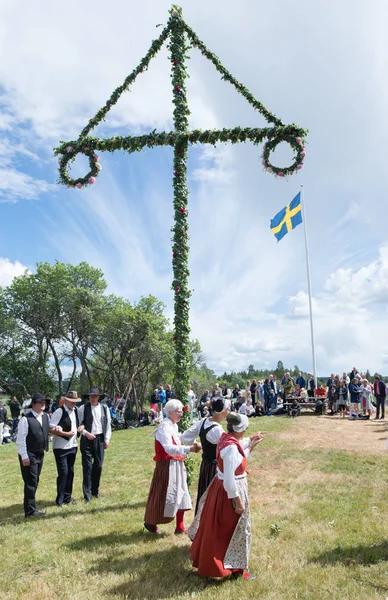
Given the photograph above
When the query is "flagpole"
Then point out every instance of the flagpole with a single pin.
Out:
(309, 284)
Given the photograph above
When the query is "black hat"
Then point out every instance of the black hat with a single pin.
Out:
(37, 398)
(95, 392)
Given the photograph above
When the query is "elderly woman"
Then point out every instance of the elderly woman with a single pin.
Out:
(221, 531)
(209, 432)
(168, 496)
(366, 392)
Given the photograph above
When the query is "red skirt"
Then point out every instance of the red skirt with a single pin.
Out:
(217, 525)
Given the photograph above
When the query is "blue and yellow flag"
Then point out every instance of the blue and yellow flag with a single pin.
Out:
(288, 218)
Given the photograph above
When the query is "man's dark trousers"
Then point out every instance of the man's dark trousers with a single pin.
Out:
(380, 403)
(92, 460)
(30, 476)
(65, 460)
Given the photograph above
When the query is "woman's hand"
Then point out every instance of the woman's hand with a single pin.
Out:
(238, 505)
(196, 447)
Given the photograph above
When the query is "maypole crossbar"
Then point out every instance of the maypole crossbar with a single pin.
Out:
(181, 38)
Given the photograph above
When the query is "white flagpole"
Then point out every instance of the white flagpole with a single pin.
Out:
(309, 284)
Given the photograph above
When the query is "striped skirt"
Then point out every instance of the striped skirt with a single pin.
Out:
(206, 476)
(168, 492)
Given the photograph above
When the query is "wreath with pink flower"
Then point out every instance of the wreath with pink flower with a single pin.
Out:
(68, 155)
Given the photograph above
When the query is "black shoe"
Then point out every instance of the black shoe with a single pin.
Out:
(71, 501)
(36, 513)
(98, 495)
(86, 500)
(151, 529)
(57, 504)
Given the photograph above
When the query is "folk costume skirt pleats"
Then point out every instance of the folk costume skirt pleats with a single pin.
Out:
(168, 492)
(221, 538)
(206, 476)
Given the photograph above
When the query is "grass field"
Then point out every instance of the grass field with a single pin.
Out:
(320, 526)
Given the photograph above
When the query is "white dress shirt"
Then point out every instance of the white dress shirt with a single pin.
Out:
(190, 435)
(97, 421)
(61, 443)
(23, 428)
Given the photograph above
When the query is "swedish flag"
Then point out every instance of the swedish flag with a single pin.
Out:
(288, 218)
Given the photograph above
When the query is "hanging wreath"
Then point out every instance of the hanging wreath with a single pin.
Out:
(296, 144)
(69, 154)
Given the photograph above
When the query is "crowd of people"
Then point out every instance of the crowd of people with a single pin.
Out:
(221, 530)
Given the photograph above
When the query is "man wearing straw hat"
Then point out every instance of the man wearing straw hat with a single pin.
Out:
(95, 429)
(63, 426)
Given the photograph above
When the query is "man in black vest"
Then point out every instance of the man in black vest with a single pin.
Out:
(63, 426)
(32, 442)
(95, 429)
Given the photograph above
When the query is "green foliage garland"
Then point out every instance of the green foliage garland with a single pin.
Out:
(180, 35)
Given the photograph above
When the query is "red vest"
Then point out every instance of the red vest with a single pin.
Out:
(161, 454)
(228, 440)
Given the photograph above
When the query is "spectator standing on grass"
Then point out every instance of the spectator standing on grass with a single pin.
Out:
(380, 393)
(310, 386)
(355, 398)
(32, 443)
(268, 395)
(169, 393)
(300, 380)
(161, 397)
(366, 393)
(15, 408)
(253, 389)
(342, 398)
(3, 420)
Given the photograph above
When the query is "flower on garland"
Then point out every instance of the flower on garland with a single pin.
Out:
(185, 408)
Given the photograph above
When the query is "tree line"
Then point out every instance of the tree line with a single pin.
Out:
(62, 315)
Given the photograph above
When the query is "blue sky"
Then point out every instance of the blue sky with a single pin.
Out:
(319, 64)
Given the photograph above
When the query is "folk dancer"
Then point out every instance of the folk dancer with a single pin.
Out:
(221, 531)
(209, 432)
(95, 429)
(32, 443)
(169, 496)
(63, 426)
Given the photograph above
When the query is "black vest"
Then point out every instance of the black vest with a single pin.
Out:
(37, 437)
(208, 449)
(88, 418)
(65, 421)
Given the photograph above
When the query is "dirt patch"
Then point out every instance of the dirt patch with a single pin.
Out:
(310, 431)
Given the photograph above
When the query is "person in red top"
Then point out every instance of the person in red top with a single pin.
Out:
(320, 391)
(221, 531)
(169, 497)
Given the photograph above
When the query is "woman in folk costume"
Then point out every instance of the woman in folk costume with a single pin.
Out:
(169, 496)
(209, 432)
(221, 532)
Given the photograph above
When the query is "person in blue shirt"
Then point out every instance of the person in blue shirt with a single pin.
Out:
(162, 397)
(300, 380)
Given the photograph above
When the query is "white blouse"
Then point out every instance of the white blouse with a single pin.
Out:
(165, 433)
(232, 460)
(189, 436)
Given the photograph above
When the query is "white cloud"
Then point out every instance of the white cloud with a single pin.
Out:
(9, 270)
(15, 185)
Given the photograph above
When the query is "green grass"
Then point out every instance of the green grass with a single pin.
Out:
(320, 529)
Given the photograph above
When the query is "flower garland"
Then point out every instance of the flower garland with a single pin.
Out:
(180, 35)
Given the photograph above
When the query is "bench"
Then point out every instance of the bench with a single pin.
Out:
(309, 404)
